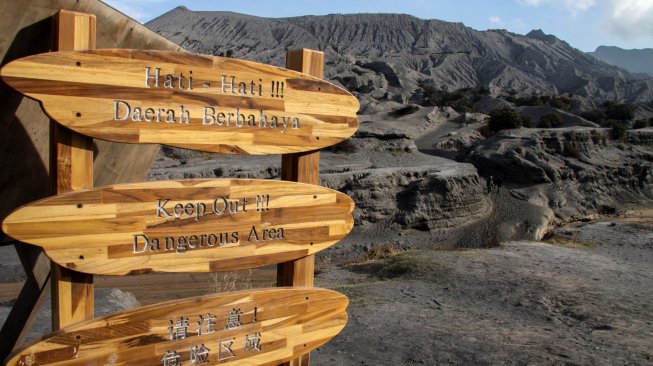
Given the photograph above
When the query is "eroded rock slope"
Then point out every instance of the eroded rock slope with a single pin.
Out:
(388, 56)
(418, 170)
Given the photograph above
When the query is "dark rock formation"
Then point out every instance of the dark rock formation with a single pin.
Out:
(423, 198)
(585, 169)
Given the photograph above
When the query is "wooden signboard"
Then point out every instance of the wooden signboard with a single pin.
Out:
(260, 327)
(184, 226)
(191, 101)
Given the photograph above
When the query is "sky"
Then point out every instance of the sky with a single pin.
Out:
(584, 24)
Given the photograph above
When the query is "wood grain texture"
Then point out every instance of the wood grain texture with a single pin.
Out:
(24, 127)
(301, 167)
(96, 93)
(104, 230)
(288, 322)
(71, 169)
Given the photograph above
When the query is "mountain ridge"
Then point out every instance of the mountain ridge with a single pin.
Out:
(639, 61)
(451, 55)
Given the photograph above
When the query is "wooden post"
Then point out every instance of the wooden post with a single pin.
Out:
(305, 168)
(71, 168)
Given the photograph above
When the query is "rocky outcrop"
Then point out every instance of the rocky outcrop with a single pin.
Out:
(394, 186)
(423, 198)
(586, 171)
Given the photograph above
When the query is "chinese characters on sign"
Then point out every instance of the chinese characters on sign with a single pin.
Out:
(253, 342)
(206, 324)
(178, 329)
(233, 319)
(171, 359)
(199, 355)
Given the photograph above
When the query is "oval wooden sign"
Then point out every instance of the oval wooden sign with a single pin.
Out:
(184, 226)
(191, 101)
(260, 327)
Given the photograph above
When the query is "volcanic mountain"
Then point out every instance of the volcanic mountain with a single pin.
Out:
(407, 52)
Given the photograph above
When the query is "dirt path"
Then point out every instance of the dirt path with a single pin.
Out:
(586, 303)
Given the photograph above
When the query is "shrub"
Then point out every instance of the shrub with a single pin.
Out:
(462, 100)
(403, 264)
(533, 100)
(560, 102)
(571, 151)
(641, 123)
(595, 136)
(596, 116)
(504, 118)
(411, 264)
(550, 120)
(622, 112)
(437, 97)
(618, 131)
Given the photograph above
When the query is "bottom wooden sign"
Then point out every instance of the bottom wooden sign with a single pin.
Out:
(259, 327)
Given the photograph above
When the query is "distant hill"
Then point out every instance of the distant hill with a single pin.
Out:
(406, 51)
(639, 61)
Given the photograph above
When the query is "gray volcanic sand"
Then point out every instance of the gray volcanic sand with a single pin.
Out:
(589, 302)
(586, 300)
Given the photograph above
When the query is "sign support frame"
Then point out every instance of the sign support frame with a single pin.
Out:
(305, 168)
(71, 169)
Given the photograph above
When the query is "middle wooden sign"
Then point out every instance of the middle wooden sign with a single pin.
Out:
(197, 102)
(184, 225)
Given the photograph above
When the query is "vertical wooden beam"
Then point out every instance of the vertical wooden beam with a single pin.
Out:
(71, 169)
(305, 168)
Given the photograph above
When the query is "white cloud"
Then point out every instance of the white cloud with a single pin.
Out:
(515, 24)
(519, 23)
(630, 19)
(495, 19)
(530, 2)
(574, 6)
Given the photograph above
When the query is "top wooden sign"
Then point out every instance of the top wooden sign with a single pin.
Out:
(198, 102)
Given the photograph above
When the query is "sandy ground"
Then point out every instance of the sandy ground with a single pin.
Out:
(584, 298)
